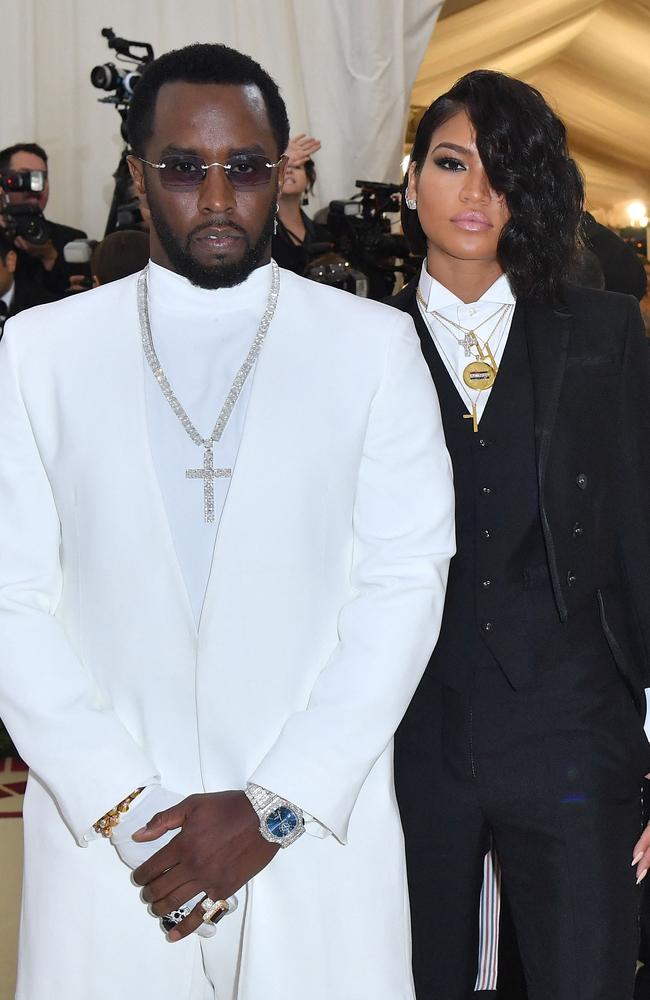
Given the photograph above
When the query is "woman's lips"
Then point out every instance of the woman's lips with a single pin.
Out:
(473, 222)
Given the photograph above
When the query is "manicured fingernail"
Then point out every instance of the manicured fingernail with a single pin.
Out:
(142, 829)
(636, 859)
(642, 876)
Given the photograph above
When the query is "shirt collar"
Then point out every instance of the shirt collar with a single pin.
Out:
(8, 296)
(437, 297)
(178, 297)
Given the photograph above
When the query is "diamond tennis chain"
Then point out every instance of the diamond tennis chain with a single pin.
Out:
(207, 473)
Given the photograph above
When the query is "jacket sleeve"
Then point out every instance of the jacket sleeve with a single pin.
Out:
(634, 510)
(61, 723)
(403, 540)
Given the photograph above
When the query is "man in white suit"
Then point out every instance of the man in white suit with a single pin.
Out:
(218, 630)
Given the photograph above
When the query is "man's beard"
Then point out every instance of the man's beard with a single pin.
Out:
(222, 274)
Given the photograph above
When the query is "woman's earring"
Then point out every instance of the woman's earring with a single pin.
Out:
(275, 221)
(305, 200)
(410, 202)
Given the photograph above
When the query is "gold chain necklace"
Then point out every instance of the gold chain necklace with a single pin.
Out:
(481, 373)
(469, 341)
(480, 385)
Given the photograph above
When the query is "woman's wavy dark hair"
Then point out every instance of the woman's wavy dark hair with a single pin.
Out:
(523, 148)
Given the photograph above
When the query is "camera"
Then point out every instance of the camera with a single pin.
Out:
(24, 220)
(121, 81)
(362, 233)
(23, 180)
(112, 77)
(124, 212)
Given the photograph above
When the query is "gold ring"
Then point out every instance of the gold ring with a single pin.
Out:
(213, 908)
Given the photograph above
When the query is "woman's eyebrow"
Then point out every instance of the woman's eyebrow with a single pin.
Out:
(452, 145)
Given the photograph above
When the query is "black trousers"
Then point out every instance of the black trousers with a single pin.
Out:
(553, 774)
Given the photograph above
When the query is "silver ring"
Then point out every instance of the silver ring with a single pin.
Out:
(170, 920)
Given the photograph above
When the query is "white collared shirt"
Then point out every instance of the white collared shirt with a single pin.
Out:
(468, 315)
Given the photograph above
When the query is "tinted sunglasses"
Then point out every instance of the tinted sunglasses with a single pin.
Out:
(184, 171)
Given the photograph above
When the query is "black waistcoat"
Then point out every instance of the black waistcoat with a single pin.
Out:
(500, 562)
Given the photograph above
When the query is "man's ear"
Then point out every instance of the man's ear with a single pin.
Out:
(136, 169)
(11, 260)
(282, 168)
(412, 187)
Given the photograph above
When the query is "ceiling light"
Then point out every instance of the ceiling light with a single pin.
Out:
(636, 211)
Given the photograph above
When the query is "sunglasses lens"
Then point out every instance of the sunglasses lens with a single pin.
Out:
(181, 173)
(248, 170)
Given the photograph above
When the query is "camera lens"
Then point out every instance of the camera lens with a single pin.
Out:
(105, 77)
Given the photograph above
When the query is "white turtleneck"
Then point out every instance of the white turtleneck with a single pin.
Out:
(469, 315)
(201, 338)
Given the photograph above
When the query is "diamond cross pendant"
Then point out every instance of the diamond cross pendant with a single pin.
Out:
(468, 342)
(208, 474)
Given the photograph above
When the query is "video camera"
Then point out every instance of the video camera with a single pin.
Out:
(23, 220)
(121, 81)
(124, 212)
(362, 233)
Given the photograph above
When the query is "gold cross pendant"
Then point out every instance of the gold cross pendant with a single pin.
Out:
(473, 417)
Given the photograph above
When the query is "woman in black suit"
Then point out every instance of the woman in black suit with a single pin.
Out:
(526, 732)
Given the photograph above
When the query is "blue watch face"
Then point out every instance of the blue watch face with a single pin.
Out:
(281, 822)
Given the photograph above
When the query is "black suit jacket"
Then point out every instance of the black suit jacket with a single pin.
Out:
(50, 285)
(591, 382)
(26, 295)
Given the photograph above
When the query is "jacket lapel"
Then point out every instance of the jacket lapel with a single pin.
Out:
(547, 329)
(406, 300)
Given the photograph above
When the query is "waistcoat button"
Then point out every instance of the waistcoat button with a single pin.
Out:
(487, 626)
(486, 533)
(571, 578)
(577, 529)
(483, 443)
(486, 491)
(582, 481)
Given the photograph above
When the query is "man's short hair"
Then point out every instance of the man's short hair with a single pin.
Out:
(119, 254)
(202, 63)
(21, 147)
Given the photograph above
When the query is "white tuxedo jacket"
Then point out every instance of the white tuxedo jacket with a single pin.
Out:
(323, 605)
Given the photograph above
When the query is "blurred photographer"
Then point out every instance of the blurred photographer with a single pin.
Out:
(15, 293)
(24, 189)
(297, 238)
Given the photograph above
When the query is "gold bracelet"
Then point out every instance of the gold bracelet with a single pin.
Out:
(109, 821)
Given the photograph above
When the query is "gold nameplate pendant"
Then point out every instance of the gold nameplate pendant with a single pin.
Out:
(479, 375)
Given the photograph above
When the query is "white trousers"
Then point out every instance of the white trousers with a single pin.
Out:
(215, 975)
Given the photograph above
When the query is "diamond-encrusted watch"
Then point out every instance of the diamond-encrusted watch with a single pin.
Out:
(280, 821)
